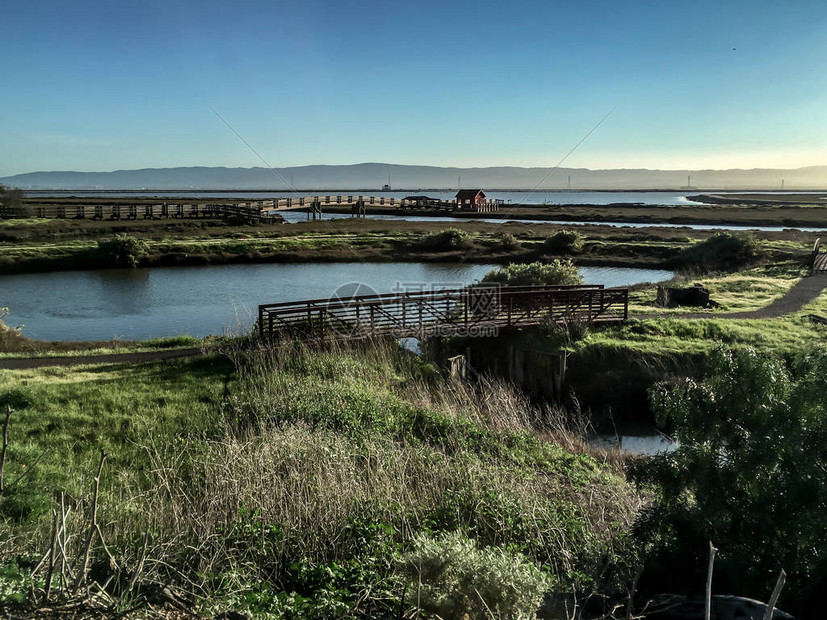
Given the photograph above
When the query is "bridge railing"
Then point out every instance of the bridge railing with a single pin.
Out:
(471, 311)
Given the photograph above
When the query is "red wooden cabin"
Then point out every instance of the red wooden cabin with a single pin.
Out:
(470, 199)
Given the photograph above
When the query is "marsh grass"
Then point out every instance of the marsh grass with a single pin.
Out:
(305, 471)
(784, 336)
(747, 290)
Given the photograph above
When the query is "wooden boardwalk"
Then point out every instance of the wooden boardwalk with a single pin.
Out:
(251, 210)
(147, 211)
(473, 311)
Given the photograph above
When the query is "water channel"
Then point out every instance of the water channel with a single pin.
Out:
(137, 304)
(513, 196)
(293, 217)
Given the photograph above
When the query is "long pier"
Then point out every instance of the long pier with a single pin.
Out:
(252, 210)
(477, 310)
(121, 211)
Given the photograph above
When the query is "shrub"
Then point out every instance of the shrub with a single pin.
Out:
(448, 239)
(507, 241)
(123, 250)
(453, 578)
(723, 251)
(564, 242)
(750, 474)
(527, 274)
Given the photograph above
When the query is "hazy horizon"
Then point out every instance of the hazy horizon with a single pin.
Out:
(376, 175)
(419, 165)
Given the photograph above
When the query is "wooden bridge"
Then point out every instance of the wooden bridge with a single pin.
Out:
(252, 210)
(472, 311)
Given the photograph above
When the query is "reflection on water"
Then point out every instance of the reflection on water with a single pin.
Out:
(135, 304)
(125, 291)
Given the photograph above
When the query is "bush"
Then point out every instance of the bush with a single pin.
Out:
(564, 242)
(451, 577)
(557, 272)
(723, 251)
(448, 239)
(123, 250)
(507, 241)
(750, 474)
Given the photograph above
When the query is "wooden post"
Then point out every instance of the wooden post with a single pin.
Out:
(560, 376)
(708, 606)
(770, 611)
(261, 322)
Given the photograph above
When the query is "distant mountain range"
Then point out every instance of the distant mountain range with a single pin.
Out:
(372, 176)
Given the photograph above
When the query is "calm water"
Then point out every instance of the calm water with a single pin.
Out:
(514, 197)
(135, 304)
(638, 444)
(636, 437)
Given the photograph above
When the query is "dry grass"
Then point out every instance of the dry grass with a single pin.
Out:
(340, 456)
(280, 486)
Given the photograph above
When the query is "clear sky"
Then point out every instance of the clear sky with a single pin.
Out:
(104, 85)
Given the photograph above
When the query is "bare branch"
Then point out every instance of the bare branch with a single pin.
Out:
(93, 526)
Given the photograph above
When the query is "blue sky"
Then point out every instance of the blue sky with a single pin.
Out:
(709, 84)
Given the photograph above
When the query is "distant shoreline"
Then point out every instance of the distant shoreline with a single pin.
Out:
(367, 191)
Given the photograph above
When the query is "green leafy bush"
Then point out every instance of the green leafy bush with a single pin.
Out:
(450, 576)
(723, 251)
(564, 242)
(445, 240)
(14, 583)
(557, 272)
(123, 250)
(750, 474)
